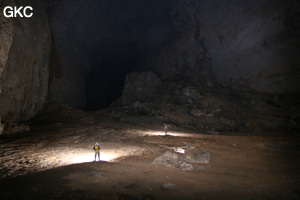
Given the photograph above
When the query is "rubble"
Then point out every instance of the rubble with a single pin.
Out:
(215, 110)
(173, 160)
(192, 155)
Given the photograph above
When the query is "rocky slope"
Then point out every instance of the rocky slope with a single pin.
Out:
(216, 110)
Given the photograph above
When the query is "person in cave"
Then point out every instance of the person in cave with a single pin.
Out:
(97, 151)
(166, 129)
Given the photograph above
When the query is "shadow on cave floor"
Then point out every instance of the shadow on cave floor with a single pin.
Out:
(54, 160)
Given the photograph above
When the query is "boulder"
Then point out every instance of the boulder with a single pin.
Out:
(197, 113)
(173, 160)
(196, 155)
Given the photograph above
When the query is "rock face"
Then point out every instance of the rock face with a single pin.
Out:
(140, 86)
(24, 79)
(6, 34)
(253, 44)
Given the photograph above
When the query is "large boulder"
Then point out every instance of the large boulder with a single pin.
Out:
(196, 155)
(182, 161)
(173, 160)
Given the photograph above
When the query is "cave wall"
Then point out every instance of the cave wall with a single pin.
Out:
(253, 44)
(186, 55)
(24, 79)
(6, 34)
(233, 43)
(98, 42)
(69, 62)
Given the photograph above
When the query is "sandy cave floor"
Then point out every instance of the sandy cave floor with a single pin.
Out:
(54, 160)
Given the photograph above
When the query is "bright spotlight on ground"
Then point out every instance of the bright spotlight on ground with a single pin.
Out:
(81, 158)
(68, 157)
(157, 133)
(171, 133)
(90, 156)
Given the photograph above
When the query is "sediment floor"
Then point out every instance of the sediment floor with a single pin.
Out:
(55, 160)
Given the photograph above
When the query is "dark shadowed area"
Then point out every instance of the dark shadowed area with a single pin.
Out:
(104, 41)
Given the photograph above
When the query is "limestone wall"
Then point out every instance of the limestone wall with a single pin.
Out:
(253, 44)
(6, 33)
(24, 79)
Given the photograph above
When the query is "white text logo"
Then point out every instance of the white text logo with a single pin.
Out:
(15, 11)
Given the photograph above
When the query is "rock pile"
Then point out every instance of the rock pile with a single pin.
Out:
(175, 160)
(209, 110)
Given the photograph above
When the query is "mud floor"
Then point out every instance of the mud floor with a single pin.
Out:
(55, 160)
